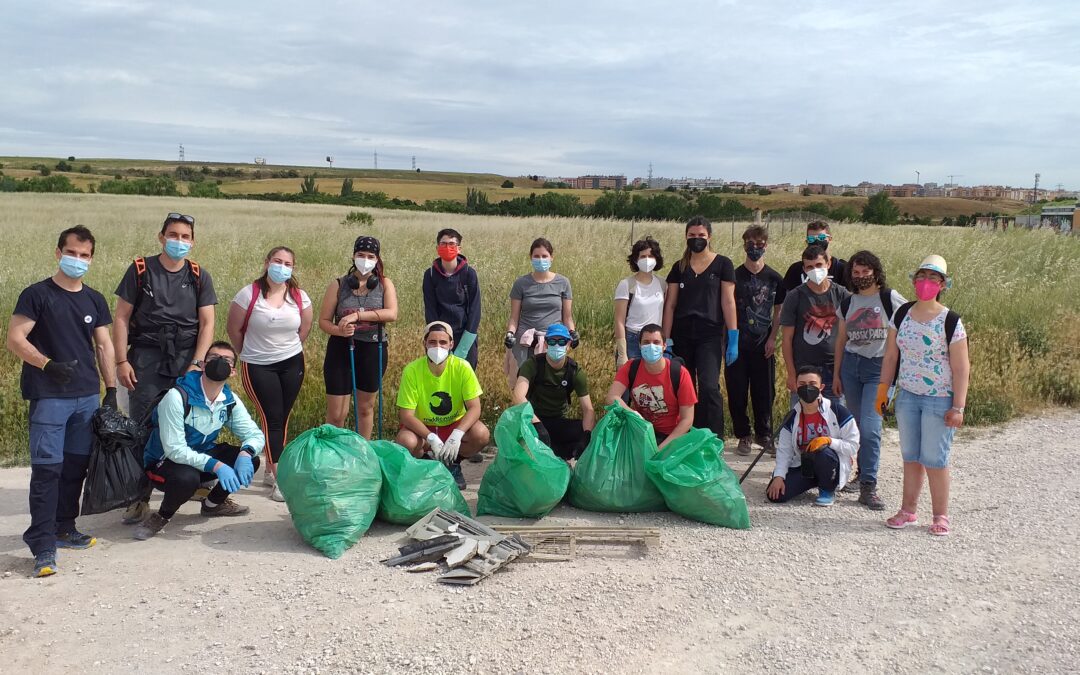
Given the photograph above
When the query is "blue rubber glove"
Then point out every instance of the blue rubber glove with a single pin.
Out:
(732, 353)
(464, 345)
(245, 470)
(227, 477)
(669, 346)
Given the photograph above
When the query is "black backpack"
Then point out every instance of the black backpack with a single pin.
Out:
(568, 381)
(675, 372)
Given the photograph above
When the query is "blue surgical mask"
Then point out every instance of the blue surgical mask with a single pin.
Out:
(73, 267)
(541, 264)
(279, 273)
(556, 352)
(176, 249)
(652, 353)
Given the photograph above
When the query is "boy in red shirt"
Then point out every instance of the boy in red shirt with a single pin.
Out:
(652, 393)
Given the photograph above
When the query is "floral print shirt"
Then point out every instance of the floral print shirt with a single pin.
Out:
(924, 357)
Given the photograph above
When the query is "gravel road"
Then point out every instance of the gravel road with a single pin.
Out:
(805, 589)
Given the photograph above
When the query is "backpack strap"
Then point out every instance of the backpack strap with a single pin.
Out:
(571, 373)
(898, 317)
(675, 372)
(251, 307)
(631, 285)
(140, 281)
(951, 319)
(845, 305)
(885, 294)
(635, 365)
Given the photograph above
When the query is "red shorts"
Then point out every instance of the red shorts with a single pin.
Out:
(443, 432)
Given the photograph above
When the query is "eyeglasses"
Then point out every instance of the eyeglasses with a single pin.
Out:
(816, 238)
(558, 341)
(226, 359)
(179, 216)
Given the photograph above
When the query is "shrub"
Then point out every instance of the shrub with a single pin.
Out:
(86, 168)
(507, 183)
(346, 187)
(204, 188)
(63, 166)
(71, 158)
(158, 186)
(308, 186)
(880, 210)
(358, 218)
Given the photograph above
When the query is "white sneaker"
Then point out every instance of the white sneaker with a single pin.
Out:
(276, 495)
(269, 480)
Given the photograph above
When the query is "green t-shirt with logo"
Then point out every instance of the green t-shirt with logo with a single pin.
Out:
(548, 393)
(438, 400)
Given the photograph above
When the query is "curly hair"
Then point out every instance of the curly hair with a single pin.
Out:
(650, 244)
(866, 259)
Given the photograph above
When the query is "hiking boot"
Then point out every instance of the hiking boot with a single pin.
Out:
(225, 508)
(136, 512)
(767, 443)
(868, 495)
(149, 527)
(459, 478)
(825, 498)
(276, 495)
(75, 540)
(744, 446)
(45, 564)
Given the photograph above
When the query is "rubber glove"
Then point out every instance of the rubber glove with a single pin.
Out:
(542, 433)
(732, 354)
(227, 478)
(245, 470)
(109, 401)
(881, 403)
(464, 345)
(620, 352)
(818, 443)
(452, 446)
(509, 339)
(574, 339)
(435, 444)
(60, 372)
(669, 347)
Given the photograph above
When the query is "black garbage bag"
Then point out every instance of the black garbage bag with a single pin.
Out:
(114, 478)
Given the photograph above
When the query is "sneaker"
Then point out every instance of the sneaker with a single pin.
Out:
(767, 443)
(276, 495)
(825, 498)
(459, 478)
(149, 527)
(744, 446)
(269, 479)
(136, 512)
(75, 540)
(868, 496)
(901, 520)
(225, 508)
(45, 564)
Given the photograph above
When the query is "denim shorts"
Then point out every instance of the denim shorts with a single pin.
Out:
(924, 438)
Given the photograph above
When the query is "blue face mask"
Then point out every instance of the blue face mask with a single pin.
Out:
(73, 267)
(176, 249)
(541, 264)
(278, 273)
(652, 353)
(556, 352)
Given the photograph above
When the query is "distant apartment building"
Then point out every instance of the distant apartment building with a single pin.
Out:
(598, 182)
(905, 190)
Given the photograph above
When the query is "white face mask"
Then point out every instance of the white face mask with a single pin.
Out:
(364, 265)
(817, 275)
(437, 354)
(646, 264)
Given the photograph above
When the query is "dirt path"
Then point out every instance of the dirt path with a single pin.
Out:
(805, 589)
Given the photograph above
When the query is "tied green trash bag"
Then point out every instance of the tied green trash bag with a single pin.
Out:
(330, 478)
(696, 481)
(526, 480)
(610, 476)
(413, 488)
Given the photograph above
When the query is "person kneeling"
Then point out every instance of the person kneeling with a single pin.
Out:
(656, 387)
(817, 443)
(439, 404)
(547, 382)
(183, 451)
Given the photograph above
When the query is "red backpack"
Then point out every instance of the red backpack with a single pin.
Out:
(294, 293)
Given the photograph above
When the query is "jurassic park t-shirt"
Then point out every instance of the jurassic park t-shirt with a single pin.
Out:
(438, 400)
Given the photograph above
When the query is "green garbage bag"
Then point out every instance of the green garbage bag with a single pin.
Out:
(696, 481)
(610, 476)
(526, 480)
(330, 478)
(412, 488)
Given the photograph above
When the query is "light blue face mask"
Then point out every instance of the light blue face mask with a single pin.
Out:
(541, 264)
(73, 267)
(652, 353)
(556, 352)
(279, 273)
(176, 249)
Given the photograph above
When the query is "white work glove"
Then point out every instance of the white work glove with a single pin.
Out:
(436, 445)
(452, 447)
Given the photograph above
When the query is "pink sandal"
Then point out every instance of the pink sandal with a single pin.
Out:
(940, 527)
(901, 520)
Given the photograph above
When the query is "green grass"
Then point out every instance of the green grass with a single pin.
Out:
(1018, 291)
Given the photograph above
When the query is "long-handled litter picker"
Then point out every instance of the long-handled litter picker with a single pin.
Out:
(352, 372)
(378, 430)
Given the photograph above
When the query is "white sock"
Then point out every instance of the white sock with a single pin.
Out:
(209, 504)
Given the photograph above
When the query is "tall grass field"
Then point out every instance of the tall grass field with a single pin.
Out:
(1019, 292)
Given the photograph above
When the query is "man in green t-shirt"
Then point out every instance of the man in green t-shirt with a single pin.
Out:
(439, 402)
(547, 382)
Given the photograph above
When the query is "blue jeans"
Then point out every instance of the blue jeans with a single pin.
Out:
(924, 438)
(633, 345)
(860, 376)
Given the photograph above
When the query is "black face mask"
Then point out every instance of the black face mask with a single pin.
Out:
(754, 253)
(808, 393)
(697, 244)
(217, 369)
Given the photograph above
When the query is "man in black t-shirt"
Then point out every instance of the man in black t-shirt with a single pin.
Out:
(56, 327)
(817, 234)
(759, 292)
(164, 322)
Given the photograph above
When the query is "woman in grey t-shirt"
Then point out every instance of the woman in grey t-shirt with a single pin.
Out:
(537, 300)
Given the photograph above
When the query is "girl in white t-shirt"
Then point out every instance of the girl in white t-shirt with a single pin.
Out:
(268, 324)
(639, 298)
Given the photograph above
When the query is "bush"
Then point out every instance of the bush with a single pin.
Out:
(71, 158)
(206, 189)
(880, 210)
(308, 186)
(157, 186)
(86, 168)
(358, 218)
(507, 183)
(346, 187)
(63, 166)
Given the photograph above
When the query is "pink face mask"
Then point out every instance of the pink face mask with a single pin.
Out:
(926, 289)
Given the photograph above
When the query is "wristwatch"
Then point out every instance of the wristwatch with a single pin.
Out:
(959, 410)
(197, 363)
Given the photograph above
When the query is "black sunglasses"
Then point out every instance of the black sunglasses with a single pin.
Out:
(179, 216)
(558, 341)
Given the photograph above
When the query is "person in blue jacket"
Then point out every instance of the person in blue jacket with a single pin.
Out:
(183, 449)
(452, 294)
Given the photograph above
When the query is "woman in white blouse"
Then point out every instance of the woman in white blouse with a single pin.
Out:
(639, 298)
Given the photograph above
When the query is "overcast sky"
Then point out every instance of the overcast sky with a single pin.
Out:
(835, 91)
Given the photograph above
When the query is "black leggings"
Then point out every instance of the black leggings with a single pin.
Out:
(702, 354)
(273, 389)
(180, 481)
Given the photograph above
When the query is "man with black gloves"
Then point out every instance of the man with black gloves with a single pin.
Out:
(452, 294)
(183, 450)
(57, 325)
(547, 382)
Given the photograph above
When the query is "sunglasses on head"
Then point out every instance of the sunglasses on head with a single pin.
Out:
(181, 217)
(814, 238)
(558, 341)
